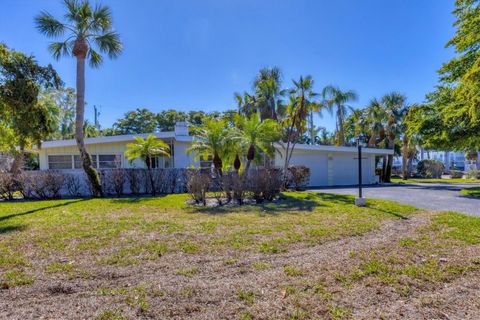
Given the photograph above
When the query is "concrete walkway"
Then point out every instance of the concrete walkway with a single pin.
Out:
(435, 196)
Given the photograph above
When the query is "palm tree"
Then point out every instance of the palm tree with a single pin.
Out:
(375, 118)
(212, 140)
(297, 112)
(334, 97)
(86, 29)
(255, 137)
(395, 109)
(147, 149)
(268, 92)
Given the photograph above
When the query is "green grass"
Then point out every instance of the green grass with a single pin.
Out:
(471, 192)
(421, 180)
(129, 231)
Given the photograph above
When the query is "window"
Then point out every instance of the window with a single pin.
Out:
(104, 161)
(109, 161)
(206, 163)
(77, 162)
(60, 162)
(162, 163)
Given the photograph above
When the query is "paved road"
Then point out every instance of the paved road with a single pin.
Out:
(441, 196)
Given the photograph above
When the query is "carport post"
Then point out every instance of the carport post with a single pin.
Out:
(360, 201)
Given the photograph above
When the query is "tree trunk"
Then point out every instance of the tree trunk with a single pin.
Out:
(17, 164)
(404, 157)
(341, 134)
(150, 175)
(388, 170)
(92, 174)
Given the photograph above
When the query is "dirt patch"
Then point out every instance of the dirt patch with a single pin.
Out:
(308, 281)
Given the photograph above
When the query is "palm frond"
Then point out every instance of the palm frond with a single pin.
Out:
(58, 49)
(94, 58)
(109, 43)
(101, 18)
(48, 25)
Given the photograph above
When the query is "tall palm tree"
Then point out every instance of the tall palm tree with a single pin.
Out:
(375, 118)
(334, 97)
(256, 137)
(298, 109)
(268, 92)
(147, 149)
(395, 109)
(85, 30)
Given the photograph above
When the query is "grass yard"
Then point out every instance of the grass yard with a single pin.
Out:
(420, 180)
(471, 192)
(308, 256)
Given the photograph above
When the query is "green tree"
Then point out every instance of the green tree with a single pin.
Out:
(451, 119)
(268, 93)
(334, 97)
(295, 120)
(255, 137)
(167, 119)
(87, 28)
(395, 110)
(27, 114)
(136, 122)
(147, 149)
(212, 140)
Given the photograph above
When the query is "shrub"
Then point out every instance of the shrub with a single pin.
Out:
(8, 186)
(299, 177)
(136, 178)
(41, 184)
(198, 185)
(456, 174)
(473, 174)
(430, 168)
(265, 183)
(114, 181)
(73, 185)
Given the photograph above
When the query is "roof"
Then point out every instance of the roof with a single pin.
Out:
(111, 139)
(186, 138)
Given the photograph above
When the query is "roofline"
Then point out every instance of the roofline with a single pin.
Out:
(185, 138)
(110, 139)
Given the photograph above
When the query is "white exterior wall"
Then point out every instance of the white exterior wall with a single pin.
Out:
(329, 168)
(181, 159)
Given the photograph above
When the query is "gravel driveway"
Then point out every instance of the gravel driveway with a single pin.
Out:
(435, 196)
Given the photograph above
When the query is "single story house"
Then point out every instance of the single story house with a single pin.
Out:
(329, 165)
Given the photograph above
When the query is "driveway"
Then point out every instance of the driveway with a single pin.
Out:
(435, 196)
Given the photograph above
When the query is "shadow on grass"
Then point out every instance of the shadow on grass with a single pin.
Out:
(18, 214)
(389, 212)
(307, 202)
(141, 198)
(13, 228)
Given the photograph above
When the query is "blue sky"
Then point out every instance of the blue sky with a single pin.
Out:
(194, 54)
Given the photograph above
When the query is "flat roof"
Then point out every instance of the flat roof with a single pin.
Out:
(110, 139)
(185, 138)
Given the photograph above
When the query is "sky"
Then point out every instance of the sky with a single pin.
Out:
(194, 54)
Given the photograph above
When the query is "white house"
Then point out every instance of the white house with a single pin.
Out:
(329, 165)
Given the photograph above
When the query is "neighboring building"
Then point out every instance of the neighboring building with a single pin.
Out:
(329, 165)
(451, 160)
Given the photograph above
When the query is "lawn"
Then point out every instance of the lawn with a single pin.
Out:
(421, 180)
(307, 256)
(471, 192)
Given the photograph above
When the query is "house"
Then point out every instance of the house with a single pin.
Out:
(329, 165)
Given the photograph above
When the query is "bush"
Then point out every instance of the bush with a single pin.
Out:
(430, 168)
(265, 183)
(198, 185)
(8, 186)
(456, 174)
(114, 181)
(473, 174)
(41, 184)
(73, 185)
(298, 177)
